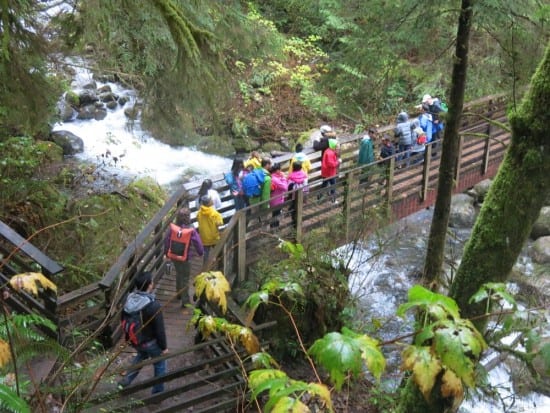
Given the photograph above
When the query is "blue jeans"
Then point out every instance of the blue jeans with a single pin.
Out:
(330, 182)
(145, 351)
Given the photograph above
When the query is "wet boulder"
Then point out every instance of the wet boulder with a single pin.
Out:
(463, 213)
(481, 189)
(541, 250)
(541, 227)
(69, 142)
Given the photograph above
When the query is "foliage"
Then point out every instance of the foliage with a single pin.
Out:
(445, 345)
(342, 354)
(311, 283)
(285, 393)
(28, 93)
(11, 402)
(510, 320)
(32, 282)
(214, 286)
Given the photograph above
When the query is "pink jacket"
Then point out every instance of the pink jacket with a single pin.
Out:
(299, 178)
(279, 186)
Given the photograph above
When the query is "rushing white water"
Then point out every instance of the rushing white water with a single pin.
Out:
(135, 150)
(384, 269)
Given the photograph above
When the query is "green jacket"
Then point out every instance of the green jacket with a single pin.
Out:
(266, 191)
(366, 151)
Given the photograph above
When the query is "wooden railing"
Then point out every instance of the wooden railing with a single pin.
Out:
(401, 189)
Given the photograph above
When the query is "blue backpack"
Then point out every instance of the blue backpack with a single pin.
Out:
(252, 183)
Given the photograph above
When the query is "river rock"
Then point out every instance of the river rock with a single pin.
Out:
(463, 212)
(70, 143)
(87, 97)
(481, 189)
(132, 113)
(541, 250)
(541, 228)
(91, 112)
(66, 111)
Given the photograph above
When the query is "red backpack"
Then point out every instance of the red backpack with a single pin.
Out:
(180, 238)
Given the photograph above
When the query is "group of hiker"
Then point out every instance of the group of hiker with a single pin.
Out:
(261, 181)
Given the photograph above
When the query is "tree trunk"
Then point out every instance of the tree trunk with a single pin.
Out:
(411, 399)
(514, 201)
(438, 231)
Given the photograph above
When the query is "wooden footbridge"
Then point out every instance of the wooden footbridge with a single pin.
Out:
(207, 377)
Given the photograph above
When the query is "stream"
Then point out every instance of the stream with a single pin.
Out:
(383, 271)
(126, 150)
(384, 268)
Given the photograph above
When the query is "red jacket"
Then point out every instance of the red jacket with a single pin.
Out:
(329, 164)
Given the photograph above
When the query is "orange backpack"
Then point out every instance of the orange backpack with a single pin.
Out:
(179, 242)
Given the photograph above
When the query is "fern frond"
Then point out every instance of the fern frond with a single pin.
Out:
(11, 402)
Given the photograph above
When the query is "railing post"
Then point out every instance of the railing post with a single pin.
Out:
(426, 172)
(487, 147)
(241, 247)
(299, 211)
(348, 189)
(389, 180)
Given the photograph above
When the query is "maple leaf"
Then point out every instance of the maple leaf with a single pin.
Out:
(215, 286)
(31, 281)
(290, 405)
(425, 367)
(458, 345)
(451, 385)
(339, 354)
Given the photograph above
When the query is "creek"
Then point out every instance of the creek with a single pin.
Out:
(126, 150)
(383, 270)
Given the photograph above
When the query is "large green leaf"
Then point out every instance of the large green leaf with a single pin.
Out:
(370, 352)
(452, 345)
(339, 355)
(266, 379)
(438, 306)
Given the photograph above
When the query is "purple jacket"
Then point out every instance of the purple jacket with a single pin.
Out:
(279, 186)
(195, 242)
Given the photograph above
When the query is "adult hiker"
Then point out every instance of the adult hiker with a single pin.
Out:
(257, 184)
(210, 222)
(152, 333)
(329, 168)
(177, 247)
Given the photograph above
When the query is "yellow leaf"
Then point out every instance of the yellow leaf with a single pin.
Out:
(424, 365)
(215, 286)
(290, 405)
(323, 392)
(5, 353)
(249, 341)
(451, 385)
(28, 282)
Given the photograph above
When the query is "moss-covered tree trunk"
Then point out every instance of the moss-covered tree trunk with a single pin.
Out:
(515, 198)
(438, 230)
